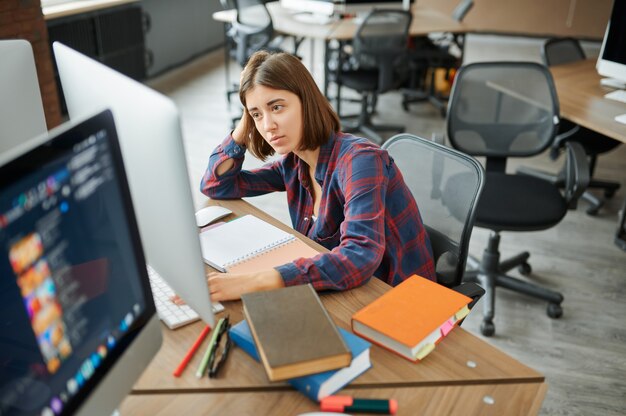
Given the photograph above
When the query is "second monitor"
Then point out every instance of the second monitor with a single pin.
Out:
(340, 7)
(150, 137)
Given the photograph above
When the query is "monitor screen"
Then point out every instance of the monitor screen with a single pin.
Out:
(612, 60)
(74, 289)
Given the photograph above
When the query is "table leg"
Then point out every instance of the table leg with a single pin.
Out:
(620, 234)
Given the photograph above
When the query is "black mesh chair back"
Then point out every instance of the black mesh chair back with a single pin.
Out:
(254, 29)
(501, 109)
(381, 43)
(559, 51)
(229, 32)
(432, 173)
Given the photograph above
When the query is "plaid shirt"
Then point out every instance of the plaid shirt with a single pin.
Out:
(368, 217)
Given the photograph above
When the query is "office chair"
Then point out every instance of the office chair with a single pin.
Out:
(428, 53)
(499, 110)
(558, 51)
(448, 213)
(378, 65)
(230, 47)
(252, 31)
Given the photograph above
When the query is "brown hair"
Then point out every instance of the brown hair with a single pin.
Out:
(282, 71)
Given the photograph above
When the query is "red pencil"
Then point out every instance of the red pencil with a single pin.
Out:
(181, 367)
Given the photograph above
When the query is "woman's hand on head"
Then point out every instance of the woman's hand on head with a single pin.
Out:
(230, 286)
(240, 132)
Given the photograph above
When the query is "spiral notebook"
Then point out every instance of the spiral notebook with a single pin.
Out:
(249, 244)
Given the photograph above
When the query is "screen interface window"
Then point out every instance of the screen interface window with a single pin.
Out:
(70, 287)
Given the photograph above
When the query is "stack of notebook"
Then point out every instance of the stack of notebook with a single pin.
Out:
(319, 385)
(291, 333)
(411, 318)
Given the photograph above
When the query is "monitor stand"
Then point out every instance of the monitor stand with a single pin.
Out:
(613, 83)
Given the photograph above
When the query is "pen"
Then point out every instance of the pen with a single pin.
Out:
(349, 404)
(213, 369)
(183, 364)
(205, 359)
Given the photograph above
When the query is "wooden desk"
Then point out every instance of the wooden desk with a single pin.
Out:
(462, 366)
(582, 101)
(581, 98)
(424, 21)
(479, 400)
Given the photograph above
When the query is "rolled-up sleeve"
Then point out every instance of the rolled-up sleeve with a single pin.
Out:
(236, 182)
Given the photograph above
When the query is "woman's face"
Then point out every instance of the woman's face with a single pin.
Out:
(277, 115)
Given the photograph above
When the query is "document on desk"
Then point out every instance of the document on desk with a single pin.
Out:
(249, 244)
(621, 118)
(617, 95)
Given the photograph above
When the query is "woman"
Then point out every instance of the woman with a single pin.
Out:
(343, 191)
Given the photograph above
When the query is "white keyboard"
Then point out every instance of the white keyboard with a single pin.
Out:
(172, 315)
(617, 95)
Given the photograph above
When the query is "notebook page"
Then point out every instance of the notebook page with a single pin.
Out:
(282, 254)
(239, 239)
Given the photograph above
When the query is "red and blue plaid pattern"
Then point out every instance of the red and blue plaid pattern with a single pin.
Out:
(368, 217)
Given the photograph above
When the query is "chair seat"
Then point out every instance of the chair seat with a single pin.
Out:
(519, 203)
(360, 80)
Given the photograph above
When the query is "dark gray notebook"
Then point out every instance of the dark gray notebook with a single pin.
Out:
(293, 332)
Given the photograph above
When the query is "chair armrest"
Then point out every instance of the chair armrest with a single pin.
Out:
(576, 173)
(471, 290)
(560, 141)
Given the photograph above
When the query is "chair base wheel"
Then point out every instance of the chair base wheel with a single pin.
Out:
(609, 193)
(593, 211)
(487, 328)
(554, 310)
(524, 269)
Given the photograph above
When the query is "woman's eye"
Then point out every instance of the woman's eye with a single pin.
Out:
(255, 115)
(277, 107)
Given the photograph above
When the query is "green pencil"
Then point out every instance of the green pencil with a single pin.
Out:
(212, 343)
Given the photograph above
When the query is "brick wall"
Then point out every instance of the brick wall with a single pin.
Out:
(22, 19)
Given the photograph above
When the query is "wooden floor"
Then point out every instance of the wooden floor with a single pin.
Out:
(583, 354)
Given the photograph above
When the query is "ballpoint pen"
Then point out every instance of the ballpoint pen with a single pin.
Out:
(215, 367)
(211, 347)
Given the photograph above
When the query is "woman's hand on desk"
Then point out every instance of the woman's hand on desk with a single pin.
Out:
(230, 286)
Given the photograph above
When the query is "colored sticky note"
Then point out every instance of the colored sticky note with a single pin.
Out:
(424, 351)
(447, 327)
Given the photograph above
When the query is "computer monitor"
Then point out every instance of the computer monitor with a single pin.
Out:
(612, 60)
(77, 316)
(21, 109)
(364, 6)
(340, 7)
(150, 137)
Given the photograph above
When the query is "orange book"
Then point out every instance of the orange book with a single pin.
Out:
(411, 318)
